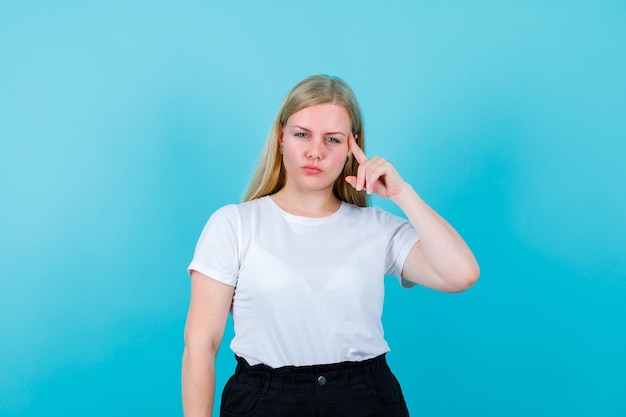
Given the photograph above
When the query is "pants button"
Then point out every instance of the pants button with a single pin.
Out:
(321, 380)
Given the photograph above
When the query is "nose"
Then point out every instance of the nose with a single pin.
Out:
(315, 151)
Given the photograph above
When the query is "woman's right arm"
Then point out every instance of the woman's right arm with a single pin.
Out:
(208, 310)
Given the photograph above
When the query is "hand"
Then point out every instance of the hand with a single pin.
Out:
(376, 175)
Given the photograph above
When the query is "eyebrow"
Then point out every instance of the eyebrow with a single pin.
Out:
(327, 133)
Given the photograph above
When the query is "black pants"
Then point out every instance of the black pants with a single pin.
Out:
(347, 389)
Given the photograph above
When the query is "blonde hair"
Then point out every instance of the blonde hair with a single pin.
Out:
(270, 175)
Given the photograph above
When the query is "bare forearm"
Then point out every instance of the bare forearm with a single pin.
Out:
(198, 382)
(443, 247)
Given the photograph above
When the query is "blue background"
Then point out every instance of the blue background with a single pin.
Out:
(125, 124)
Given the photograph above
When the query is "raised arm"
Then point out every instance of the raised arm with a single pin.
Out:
(208, 310)
(441, 259)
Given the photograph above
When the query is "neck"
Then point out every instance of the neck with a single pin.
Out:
(317, 204)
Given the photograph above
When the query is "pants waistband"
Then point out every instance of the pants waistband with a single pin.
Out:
(336, 374)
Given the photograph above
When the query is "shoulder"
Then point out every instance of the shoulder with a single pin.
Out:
(226, 213)
(231, 211)
(372, 213)
(235, 215)
(377, 219)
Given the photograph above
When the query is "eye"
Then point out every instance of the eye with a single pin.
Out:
(301, 134)
(333, 140)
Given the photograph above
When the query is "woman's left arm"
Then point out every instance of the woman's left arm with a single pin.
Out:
(441, 259)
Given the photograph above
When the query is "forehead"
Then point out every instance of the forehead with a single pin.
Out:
(322, 117)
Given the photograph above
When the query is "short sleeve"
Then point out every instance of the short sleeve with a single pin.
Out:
(217, 251)
(401, 239)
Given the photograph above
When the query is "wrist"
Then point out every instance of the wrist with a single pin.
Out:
(406, 194)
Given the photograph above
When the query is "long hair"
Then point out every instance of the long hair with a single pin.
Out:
(270, 175)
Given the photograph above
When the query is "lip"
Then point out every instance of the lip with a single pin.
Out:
(311, 169)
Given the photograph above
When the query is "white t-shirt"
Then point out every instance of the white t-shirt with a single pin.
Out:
(308, 290)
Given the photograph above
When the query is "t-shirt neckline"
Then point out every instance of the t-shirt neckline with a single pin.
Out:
(304, 219)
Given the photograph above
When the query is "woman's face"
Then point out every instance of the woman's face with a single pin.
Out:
(315, 147)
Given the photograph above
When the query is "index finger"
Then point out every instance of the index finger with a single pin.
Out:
(356, 150)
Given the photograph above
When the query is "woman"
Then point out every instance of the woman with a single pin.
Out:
(300, 264)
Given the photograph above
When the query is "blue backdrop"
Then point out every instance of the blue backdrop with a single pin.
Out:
(124, 124)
